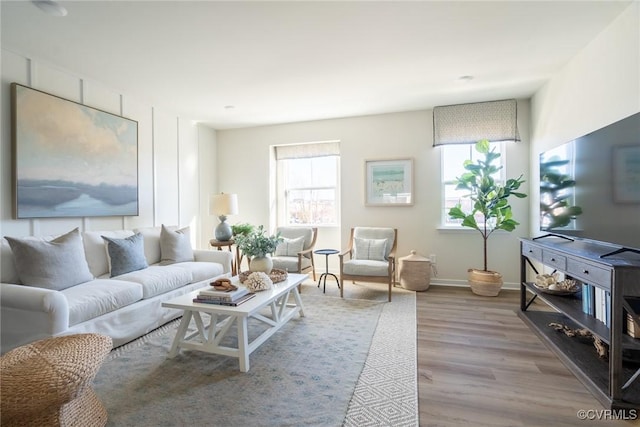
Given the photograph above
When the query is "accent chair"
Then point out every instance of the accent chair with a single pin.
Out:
(295, 253)
(371, 257)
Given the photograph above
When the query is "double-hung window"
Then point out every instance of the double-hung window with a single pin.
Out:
(453, 157)
(307, 183)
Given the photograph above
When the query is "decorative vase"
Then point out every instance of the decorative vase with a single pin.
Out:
(485, 283)
(261, 264)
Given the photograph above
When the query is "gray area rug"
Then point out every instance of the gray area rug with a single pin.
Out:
(320, 370)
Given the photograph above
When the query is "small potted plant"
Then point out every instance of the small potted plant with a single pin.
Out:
(257, 246)
(241, 229)
(491, 211)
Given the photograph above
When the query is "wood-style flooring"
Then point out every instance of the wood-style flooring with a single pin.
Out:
(480, 365)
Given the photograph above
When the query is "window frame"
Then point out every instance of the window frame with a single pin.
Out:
(444, 217)
(283, 191)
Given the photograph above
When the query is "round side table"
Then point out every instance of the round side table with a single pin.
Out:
(228, 243)
(326, 253)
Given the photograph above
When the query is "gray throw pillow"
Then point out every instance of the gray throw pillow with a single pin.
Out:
(56, 264)
(370, 249)
(126, 254)
(175, 245)
(290, 247)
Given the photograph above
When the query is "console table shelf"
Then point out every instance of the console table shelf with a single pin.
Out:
(615, 381)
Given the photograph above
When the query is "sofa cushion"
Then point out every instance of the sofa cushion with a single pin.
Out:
(54, 264)
(366, 268)
(156, 279)
(202, 270)
(126, 254)
(175, 245)
(370, 249)
(97, 297)
(290, 247)
(289, 263)
(95, 249)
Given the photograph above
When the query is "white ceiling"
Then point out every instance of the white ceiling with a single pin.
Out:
(279, 62)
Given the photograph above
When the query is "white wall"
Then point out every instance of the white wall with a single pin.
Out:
(599, 86)
(168, 154)
(243, 165)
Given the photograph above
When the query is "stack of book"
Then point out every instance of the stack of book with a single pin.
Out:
(596, 302)
(232, 298)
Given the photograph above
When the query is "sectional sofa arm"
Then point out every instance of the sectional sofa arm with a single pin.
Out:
(222, 257)
(29, 313)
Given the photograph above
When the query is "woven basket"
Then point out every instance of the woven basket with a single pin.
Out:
(485, 283)
(276, 275)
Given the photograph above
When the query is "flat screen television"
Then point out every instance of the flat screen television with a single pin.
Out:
(590, 187)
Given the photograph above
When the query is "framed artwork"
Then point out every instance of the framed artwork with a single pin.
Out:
(70, 160)
(626, 174)
(389, 182)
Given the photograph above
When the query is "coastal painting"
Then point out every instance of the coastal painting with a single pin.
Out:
(389, 182)
(71, 160)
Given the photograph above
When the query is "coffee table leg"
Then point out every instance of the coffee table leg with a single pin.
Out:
(243, 344)
(296, 295)
(182, 331)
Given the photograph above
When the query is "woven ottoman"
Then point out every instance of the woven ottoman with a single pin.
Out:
(48, 382)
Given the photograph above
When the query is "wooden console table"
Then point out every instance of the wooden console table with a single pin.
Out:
(614, 382)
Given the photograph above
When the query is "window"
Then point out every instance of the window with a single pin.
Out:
(453, 156)
(308, 188)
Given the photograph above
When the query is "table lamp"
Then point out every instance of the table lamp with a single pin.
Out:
(222, 205)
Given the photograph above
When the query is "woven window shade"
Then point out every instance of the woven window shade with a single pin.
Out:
(304, 151)
(470, 123)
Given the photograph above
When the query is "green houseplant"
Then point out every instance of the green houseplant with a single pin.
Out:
(241, 229)
(490, 210)
(257, 245)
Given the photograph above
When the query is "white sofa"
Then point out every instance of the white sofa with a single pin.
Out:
(123, 307)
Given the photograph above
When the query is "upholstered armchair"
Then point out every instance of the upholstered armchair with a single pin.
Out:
(295, 253)
(371, 257)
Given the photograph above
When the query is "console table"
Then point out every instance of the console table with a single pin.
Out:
(614, 382)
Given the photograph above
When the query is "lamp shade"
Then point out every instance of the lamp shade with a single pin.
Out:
(223, 204)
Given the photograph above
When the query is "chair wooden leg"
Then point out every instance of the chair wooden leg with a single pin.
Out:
(390, 291)
(341, 287)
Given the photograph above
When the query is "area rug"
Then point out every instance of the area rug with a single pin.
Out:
(305, 374)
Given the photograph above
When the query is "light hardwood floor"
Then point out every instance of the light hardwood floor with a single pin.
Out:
(480, 365)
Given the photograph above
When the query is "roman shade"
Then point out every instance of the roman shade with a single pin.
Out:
(304, 151)
(470, 123)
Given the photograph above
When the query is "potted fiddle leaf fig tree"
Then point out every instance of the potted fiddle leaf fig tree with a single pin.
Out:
(490, 210)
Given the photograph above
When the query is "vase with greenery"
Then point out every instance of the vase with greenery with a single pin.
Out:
(490, 210)
(257, 245)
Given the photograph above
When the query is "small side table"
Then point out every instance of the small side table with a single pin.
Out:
(229, 243)
(326, 253)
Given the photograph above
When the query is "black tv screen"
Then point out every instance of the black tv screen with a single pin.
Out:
(590, 187)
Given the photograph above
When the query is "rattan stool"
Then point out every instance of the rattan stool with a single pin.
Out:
(48, 382)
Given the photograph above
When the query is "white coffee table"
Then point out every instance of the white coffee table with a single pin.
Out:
(271, 307)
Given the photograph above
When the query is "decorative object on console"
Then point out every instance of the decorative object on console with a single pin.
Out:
(241, 229)
(222, 205)
(71, 160)
(258, 281)
(491, 202)
(276, 275)
(258, 246)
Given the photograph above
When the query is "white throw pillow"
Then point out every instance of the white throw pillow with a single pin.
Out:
(370, 249)
(55, 264)
(175, 246)
(290, 247)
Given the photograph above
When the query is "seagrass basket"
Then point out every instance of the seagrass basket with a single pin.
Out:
(415, 272)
